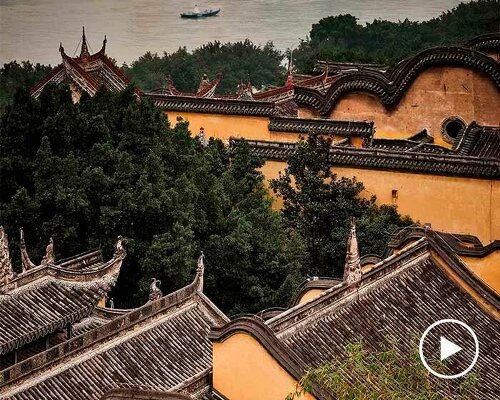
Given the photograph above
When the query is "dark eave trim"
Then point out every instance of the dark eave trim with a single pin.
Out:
(379, 159)
(323, 126)
(212, 106)
(390, 86)
(266, 337)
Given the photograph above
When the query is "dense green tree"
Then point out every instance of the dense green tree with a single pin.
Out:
(237, 62)
(110, 165)
(14, 76)
(340, 38)
(317, 205)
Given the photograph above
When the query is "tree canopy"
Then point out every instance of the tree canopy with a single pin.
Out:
(239, 61)
(317, 205)
(340, 38)
(111, 165)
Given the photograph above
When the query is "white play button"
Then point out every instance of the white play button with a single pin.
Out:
(448, 348)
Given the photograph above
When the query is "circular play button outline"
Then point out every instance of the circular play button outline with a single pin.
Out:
(452, 321)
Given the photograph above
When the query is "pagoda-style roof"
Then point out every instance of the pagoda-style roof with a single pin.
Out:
(161, 347)
(395, 300)
(87, 72)
(48, 297)
(479, 141)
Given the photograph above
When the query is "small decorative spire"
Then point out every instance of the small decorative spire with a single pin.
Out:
(154, 289)
(25, 259)
(103, 49)
(352, 267)
(6, 271)
(85, 50)
(203, 83)
(202, 138)
(49, 253)
(200, 271)
(61, 48)
(120, 251)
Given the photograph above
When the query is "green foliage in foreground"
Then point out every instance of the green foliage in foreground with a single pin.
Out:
(110, 165)
(317, 205)
(384, 374)
(340, 38)
(239, 61)
(15, 76)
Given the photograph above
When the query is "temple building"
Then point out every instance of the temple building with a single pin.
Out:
(47, 304)
(85, 73)
(422, 134)
(180, 346)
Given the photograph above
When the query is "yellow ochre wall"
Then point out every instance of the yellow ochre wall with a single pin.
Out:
(436, 94)
(486, 268)
(309, 295)
(225, 126)
(450, 204)
(244, 370)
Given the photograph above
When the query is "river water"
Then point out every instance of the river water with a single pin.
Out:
(32, 29)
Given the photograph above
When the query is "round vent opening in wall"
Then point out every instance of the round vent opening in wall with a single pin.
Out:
(451, 128)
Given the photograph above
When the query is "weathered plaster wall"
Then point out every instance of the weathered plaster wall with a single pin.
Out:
(436, 94)
(225, 126)
(244, 370)
(451, 204)
(486, 268)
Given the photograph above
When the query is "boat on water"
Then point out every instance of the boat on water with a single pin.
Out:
(196, 13)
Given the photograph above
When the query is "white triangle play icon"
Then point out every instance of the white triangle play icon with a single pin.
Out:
(448, 348)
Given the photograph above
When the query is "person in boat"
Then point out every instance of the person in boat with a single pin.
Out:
(196, 9)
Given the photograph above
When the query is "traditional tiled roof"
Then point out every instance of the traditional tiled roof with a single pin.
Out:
(403, 145)
(390, 85)
(323, 126)
(396, 300)
(373, 158)
(479, 141)
(87, 72)
(46, 298)
(161, 346)
(487, 41)
(206, 89)
(216, 106)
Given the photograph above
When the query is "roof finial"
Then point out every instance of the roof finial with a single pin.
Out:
(25, 258)
(104, 44)
(49, 253)
(154, 289)
(352, 267)
(61, 48)
(120, 251)
(200, 271)
(6, 272)
(85, 51)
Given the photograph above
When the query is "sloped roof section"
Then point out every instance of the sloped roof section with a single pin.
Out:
(160, 346)
(88, 72)
(46, 298)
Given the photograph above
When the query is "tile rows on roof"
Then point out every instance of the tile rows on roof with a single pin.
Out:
(372, 158)
(390, 86)
(325, 126)
(161, 355)
(216, 106)
(44, 307)
(401, 307)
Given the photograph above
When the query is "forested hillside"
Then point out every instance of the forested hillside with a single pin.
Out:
(341, 38)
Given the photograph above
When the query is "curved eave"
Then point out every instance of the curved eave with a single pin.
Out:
(390, 86)
(111, 268)
(266, 337)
